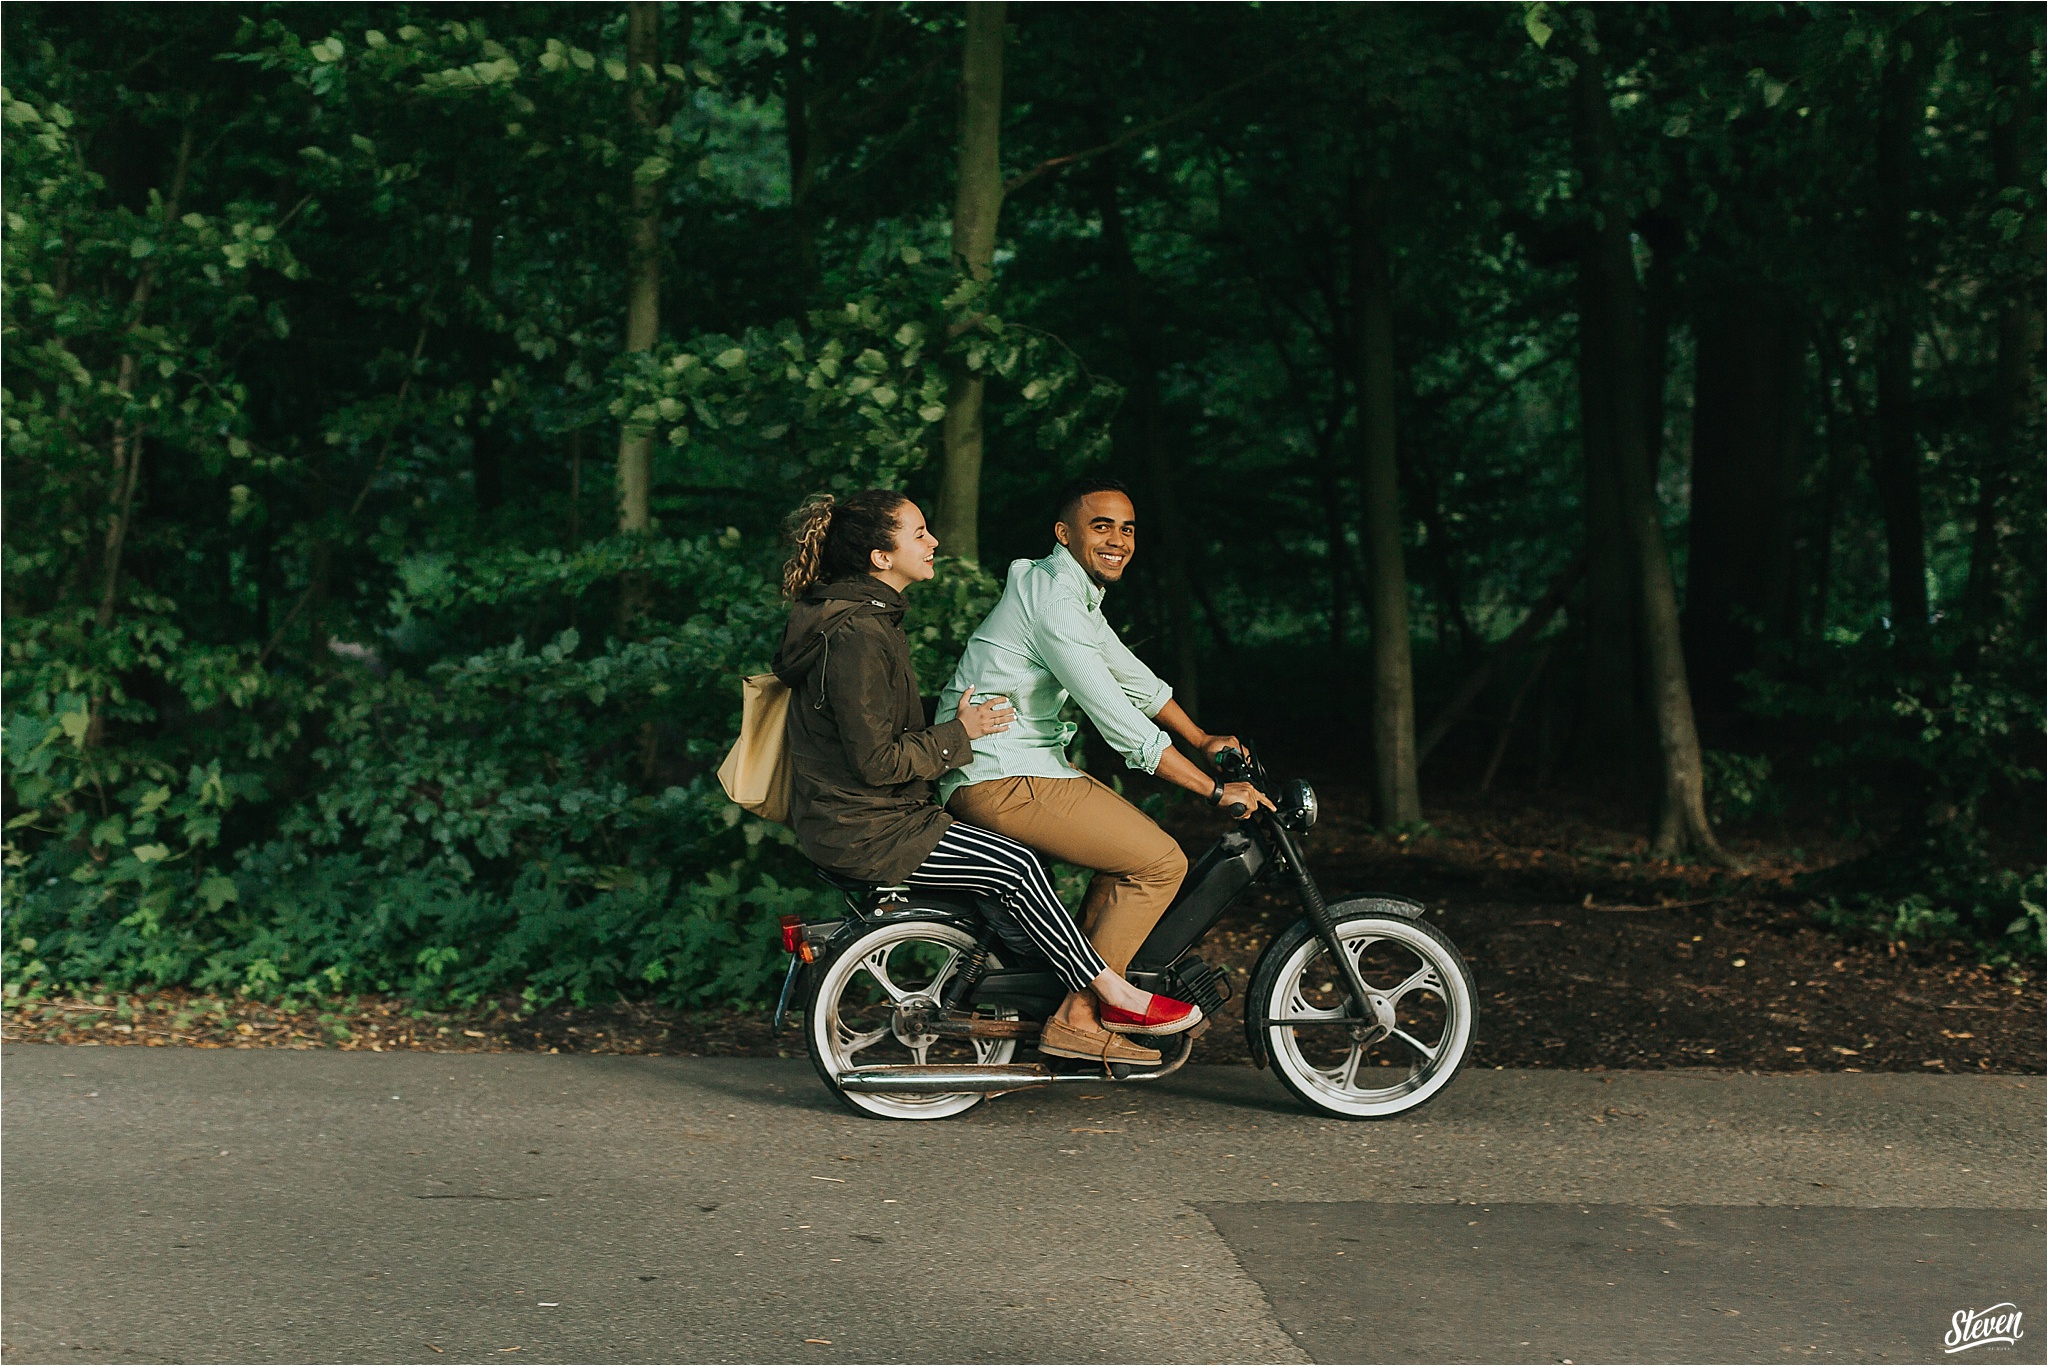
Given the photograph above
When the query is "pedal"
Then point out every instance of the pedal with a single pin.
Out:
(1163, 1042)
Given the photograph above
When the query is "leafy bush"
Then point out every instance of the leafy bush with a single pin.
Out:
(1956, 723)
(1919, 917)
(482, 827)
(1739, 786)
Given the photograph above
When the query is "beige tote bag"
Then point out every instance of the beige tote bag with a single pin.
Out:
(756, 774)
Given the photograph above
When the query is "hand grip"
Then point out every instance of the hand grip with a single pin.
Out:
(1233, 809)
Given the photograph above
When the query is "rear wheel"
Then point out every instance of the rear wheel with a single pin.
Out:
(1407, 1045)
(859, 1011)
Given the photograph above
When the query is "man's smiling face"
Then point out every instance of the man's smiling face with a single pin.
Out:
(1101, 533)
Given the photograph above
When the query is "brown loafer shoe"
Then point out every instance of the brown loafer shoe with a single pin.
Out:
(1064, 1041)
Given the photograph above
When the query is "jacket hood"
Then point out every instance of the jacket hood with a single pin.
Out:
(822, 610)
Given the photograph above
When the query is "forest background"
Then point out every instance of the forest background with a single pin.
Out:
(401, 402)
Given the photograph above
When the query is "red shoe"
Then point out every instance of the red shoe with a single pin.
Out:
(1163, 1016)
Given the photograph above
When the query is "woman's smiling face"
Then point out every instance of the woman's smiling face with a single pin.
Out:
(911, 559)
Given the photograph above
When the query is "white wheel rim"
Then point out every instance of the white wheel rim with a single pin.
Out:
(849, 1027)
(1427, 1005)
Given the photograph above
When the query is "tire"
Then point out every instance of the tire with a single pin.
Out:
(849, 1016)
(1425, 991)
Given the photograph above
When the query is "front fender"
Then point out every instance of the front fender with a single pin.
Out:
(1255, 994)
(1376, 904)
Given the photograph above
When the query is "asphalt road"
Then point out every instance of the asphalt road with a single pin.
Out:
(178, 1205)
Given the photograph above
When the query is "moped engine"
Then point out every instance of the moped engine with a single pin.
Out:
(1197, 983)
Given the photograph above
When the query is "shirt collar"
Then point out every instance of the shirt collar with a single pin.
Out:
(1065, 566)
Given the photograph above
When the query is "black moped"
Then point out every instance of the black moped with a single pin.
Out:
(916, 1003)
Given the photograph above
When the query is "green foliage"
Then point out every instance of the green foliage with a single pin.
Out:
(1957, 740)
(1739, 786)
(854, 400)
(943, 614)
(1959, 911)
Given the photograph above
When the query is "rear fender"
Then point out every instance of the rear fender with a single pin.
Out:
(943, 909)
(1255, 995)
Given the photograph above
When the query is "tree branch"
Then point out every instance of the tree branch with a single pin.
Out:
(1047, 167)
(1469, 691)
(127, 446)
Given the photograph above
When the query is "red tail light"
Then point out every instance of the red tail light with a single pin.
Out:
(795, 941)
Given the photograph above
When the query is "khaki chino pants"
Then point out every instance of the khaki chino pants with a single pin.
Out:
(1079, 820)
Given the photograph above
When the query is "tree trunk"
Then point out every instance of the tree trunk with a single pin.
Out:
(643, 262)
(2009, 407)
(1610, 726)
(643, 270)
(977, 201)
(1744, 475)
(1682, 827)
(1897, 466)
(1397, 798)
(803, 170)
(126, 448)
(1660, 289)
(1329, 482)
(1833, 477)
(486, 439)
(1439, 555)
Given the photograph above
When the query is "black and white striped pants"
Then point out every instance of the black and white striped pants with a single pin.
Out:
(975, 860)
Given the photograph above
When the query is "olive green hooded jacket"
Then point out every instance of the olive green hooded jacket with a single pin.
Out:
(863, 763)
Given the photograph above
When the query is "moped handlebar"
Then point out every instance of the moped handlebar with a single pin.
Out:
(1241, 766)
(1238, 766)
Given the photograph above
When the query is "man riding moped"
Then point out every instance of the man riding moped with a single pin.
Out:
(1046, 641)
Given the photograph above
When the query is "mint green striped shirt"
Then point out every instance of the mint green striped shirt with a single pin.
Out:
(1047, 640)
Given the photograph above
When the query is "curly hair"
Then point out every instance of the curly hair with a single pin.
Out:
(831, 539)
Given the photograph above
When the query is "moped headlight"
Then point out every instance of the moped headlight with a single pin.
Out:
(1301, 803)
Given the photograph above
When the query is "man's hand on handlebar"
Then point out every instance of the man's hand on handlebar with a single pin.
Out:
(1178, 769)
(1239, 800)
(1214, 743)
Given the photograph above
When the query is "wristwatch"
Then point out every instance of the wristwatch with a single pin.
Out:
(1216, 797)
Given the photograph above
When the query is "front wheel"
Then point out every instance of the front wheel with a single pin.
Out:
(864, 1001)
(1404, 1048)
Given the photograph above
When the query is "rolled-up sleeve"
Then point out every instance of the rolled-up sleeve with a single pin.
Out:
(1078, 656)
(1147, 690)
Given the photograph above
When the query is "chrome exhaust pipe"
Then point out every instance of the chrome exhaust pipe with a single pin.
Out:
(933, 1078)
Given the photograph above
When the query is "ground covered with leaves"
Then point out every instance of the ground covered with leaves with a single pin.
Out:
(1586, 953)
